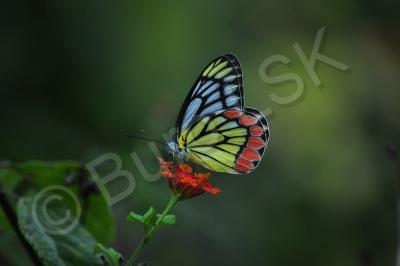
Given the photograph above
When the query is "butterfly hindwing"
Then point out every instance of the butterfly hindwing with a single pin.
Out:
(231, 140)
(218, 87)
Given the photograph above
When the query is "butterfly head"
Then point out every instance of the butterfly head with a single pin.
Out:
(173, 148)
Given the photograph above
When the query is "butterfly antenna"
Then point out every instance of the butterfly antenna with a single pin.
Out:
(147, 135)
(143, 132)
(144, 138)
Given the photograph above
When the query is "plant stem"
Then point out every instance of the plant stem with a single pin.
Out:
(151, 232)
(13, 220)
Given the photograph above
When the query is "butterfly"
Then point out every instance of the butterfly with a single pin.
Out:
(214, 128)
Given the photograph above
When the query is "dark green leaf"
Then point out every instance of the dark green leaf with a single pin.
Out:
(9, 180)
(53, 246)
(99, 220)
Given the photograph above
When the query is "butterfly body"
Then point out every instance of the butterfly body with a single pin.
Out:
(213, 128)
(173, 148)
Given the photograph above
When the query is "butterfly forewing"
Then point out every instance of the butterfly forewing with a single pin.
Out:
(218, 87)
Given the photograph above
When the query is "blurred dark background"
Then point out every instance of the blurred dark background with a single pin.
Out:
(76, 76)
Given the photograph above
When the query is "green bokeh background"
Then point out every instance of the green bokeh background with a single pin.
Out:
(78, 75)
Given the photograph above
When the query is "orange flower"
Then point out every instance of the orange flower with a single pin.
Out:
(183, 180)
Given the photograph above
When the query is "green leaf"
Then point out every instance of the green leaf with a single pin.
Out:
(168, 219)
(134, 217)
(149, 217)
(99, 220)
(53, 246)
(44, 174)
(9, 180)
(112, 257)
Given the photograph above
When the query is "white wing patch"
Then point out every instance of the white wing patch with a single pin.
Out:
(191, 112)
(204, 86)
(232, 101)
(211, 89)
(228, 90)
(218, 87)
(213, 97)
(212, 108)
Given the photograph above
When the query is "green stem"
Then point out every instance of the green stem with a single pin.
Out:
(151, 232)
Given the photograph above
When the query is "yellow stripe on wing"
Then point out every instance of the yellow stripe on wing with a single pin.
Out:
(215, 122)
(208, 140)
(196, 130)
(229, 125)
(222, 156)
(229, 148)
(237, 141)
(237, 132)
(217, 68)
(210, 163)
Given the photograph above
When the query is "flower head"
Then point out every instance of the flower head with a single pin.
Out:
(184, 181)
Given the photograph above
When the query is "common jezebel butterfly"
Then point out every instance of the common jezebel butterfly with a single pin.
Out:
(214, 128)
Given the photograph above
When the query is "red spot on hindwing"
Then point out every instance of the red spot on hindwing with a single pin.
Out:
(256, 130)
(248, 120)
(255, 143)
(243, 165)
(250, 154)
(233, 114)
